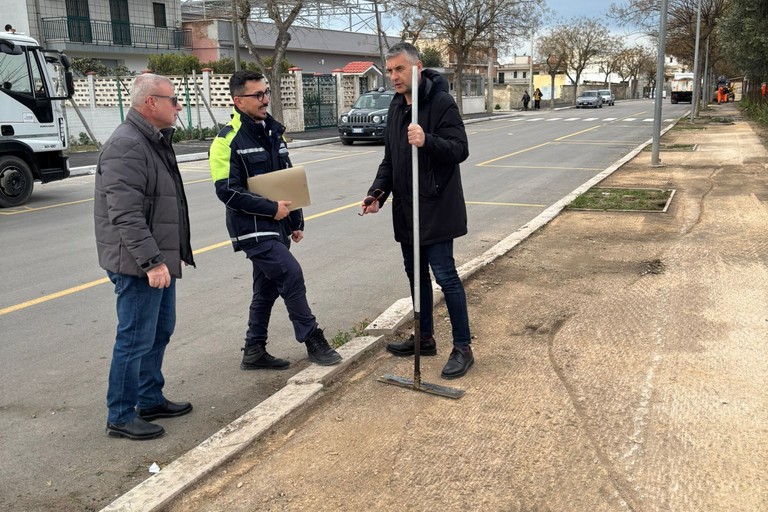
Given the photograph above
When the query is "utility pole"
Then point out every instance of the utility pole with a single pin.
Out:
(696, 76)
(530, 71)
(235, 38)
(655, 162)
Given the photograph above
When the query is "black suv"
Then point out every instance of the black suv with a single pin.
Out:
(367, 119)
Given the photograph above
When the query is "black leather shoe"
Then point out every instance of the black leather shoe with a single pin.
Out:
(407, 347)
(256, 357)
(137, 429)
(167, 410)
(319, 351)
(458, 363)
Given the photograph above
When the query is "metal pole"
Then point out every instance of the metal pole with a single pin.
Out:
(197, 106)
(696, 77)
(235, 38)
(707, 84)
(416, 233)
(655, 162)
(530, 69)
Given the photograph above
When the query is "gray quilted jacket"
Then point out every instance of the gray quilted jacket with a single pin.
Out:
(140, 207)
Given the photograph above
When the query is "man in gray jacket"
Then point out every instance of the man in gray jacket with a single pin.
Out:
(142, 238)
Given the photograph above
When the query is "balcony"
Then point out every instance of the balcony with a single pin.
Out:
(114, 33)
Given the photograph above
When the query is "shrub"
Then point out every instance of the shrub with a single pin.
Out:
(174, 64)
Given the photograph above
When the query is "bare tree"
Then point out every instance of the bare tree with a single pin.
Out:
(633, 63)
(581, 41)
(609, 60)
(681, 24)
(551, 52)
(283, 15)
(469, 25)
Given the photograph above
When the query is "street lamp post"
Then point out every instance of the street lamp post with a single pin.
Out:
(696, 78)
(655, 162)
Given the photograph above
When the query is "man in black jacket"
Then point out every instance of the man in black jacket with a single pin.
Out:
(143, 240)
(252, 143)
(442, 144)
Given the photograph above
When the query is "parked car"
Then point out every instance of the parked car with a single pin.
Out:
(367, 118)
(589, 99)
(608, 97)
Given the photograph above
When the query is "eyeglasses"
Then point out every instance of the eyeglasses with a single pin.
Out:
(258, 95)
(369, 200)
(174, 99)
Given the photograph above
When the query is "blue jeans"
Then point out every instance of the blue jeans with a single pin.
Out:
(439, 256)
(146, 318)
(277, 273)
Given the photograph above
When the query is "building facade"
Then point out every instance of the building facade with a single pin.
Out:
(117, 32)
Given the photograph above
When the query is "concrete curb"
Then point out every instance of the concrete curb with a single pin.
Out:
(304, 387)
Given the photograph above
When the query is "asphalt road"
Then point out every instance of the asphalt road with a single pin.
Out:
(57, 316)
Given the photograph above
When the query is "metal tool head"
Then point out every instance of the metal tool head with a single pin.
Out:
(426, 387)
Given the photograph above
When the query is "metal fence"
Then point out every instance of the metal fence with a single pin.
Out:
(118, 33)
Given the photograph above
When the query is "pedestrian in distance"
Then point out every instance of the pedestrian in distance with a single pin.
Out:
(252, 143)
(537, 99)
(526, 100)
(9, 28)
(442, 143)
(142, 239)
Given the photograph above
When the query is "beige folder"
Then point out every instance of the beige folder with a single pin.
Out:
(285, 185)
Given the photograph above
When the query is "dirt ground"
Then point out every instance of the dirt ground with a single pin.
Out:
(621, 365)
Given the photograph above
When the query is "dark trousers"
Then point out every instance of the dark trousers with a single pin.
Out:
(276, 273)
(537, 104)
(439, 256)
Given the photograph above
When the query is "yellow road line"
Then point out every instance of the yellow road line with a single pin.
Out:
(578, 133)
(506, 204)
(603, 142)
(481, 164)
(79, 288)
(28, 209)
(502, 166)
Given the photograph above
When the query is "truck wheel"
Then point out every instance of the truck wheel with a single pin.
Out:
(16, 181)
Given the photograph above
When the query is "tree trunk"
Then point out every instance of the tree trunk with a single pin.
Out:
(552, 91)
(458, 86)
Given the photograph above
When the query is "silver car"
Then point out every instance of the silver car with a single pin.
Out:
(589, 99)
(608, 97)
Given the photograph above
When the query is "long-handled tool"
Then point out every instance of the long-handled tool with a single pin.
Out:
(388, 378)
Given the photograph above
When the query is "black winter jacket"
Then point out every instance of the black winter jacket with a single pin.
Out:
(442, 212)
(245, 148)
(140, 208)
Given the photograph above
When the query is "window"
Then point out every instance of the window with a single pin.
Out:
(14, 74)
(514, 74)
(159, 11)
(121, 22)
(524, 73)
(501, 78)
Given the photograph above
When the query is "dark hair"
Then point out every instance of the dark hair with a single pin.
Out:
(239, 79)
(8, 27)
(406, 48)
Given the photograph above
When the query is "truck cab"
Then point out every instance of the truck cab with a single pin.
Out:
(33, 132)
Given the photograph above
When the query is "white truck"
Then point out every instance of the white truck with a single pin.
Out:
(33, 131)
(682, 88)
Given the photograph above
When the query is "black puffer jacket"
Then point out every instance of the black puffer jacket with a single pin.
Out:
(140, 208)
(442, 212)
